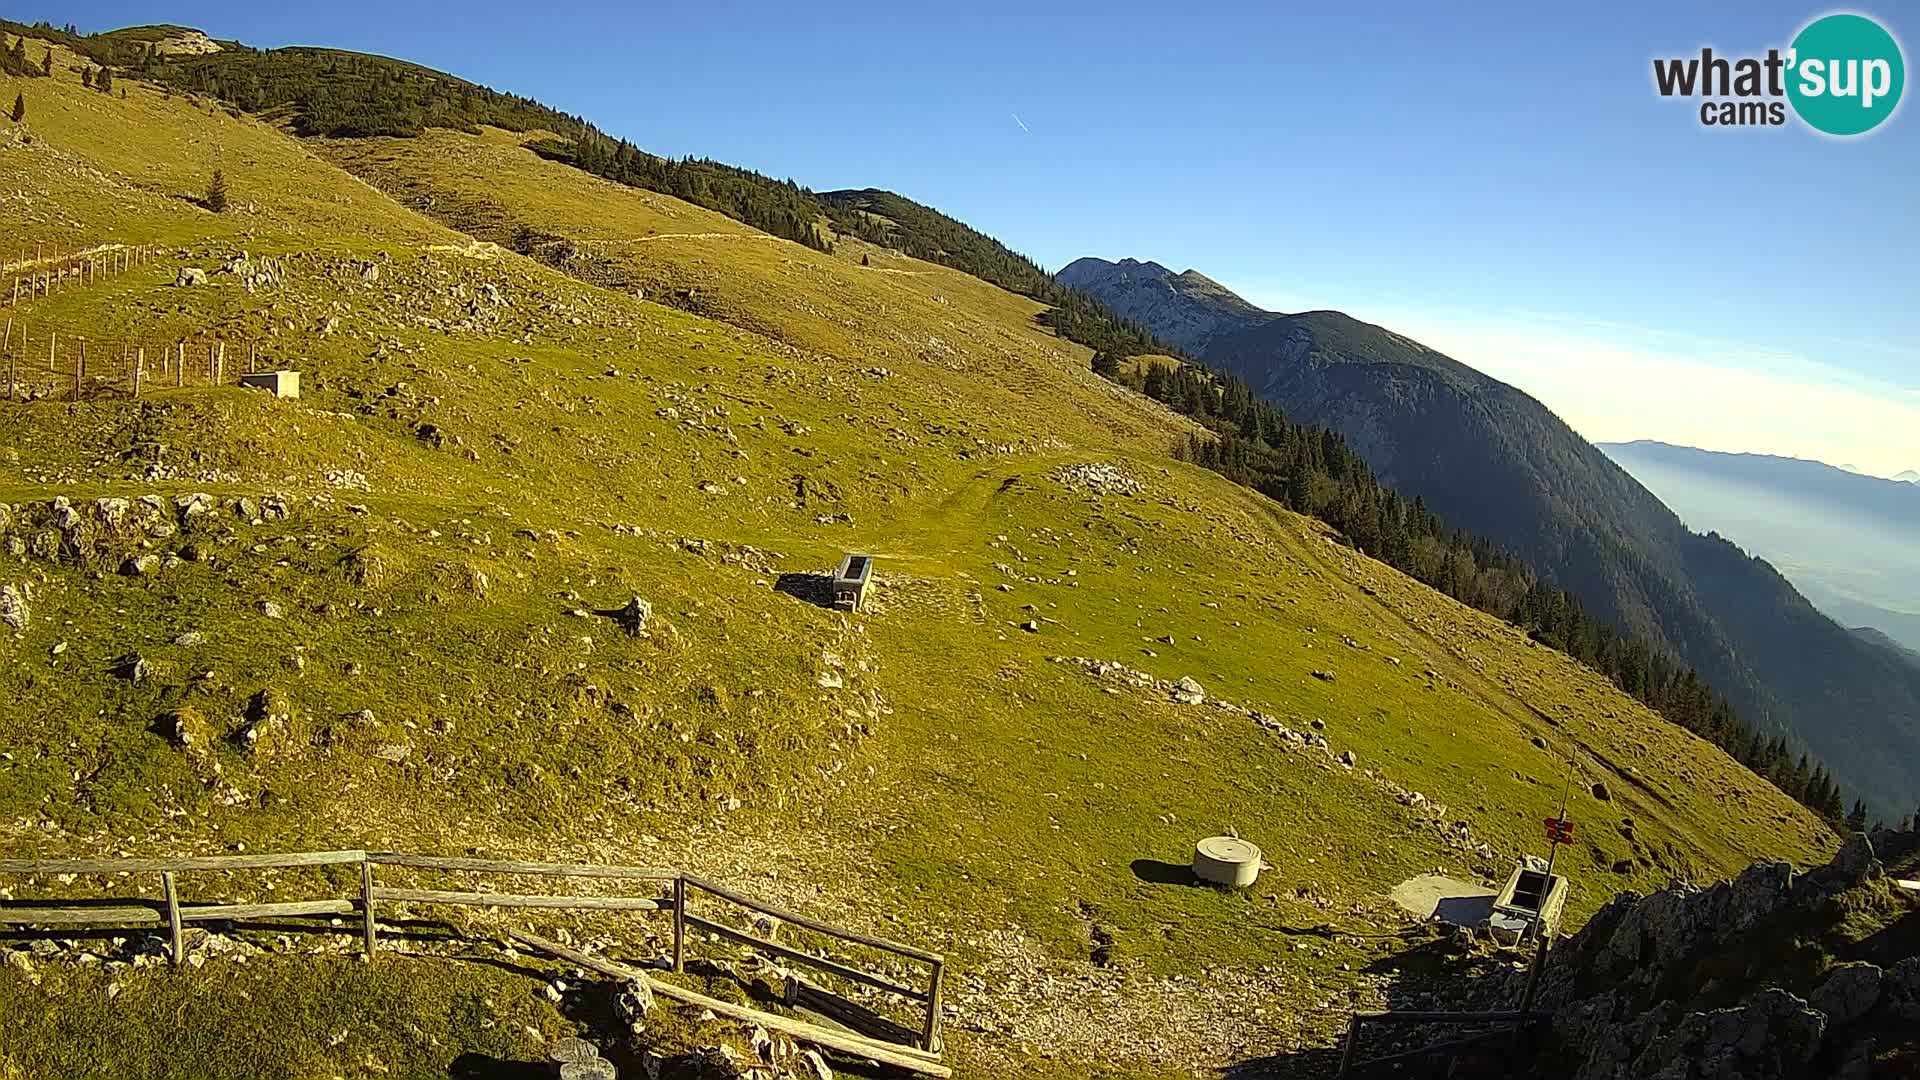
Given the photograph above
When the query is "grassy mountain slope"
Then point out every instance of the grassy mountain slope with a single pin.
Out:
(487, 448)
(1493, 460)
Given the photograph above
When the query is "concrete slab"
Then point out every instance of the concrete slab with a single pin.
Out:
(1456, 902)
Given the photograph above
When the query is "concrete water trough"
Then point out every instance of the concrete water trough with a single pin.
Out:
(281, 384)
(851, 581)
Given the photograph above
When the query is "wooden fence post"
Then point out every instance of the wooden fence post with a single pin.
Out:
(930, 1035)
(79, 369)
(53, 339)
(173, 919)
(366, 907)
(139, 369)
(679, 924)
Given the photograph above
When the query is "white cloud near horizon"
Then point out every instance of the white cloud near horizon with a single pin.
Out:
(1617, 383)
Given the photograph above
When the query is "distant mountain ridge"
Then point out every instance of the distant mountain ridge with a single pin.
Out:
(1490, 458)
(1887, 499)
(1844, 538)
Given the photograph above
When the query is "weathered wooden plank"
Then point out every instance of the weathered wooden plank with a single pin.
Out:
(369, 931)
(201, 862)
(213, 912)
(500, 866)
(903, 1057)
(818, 927)
(820, 962)
(79, 916)
(679, 924)
(520, 900)
(176, 938)
(930, 1035)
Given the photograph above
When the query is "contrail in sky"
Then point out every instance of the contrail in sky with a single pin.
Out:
(1017, 120)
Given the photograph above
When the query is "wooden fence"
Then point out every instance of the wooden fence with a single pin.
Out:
(918, 1050)
(39, 361)
(50, 268)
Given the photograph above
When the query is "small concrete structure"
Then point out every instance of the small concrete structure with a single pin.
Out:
(850, 582)
(281, 384)
(1531, 897)
(1226, 860)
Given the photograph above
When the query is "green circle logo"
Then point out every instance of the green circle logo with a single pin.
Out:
(1845, 74)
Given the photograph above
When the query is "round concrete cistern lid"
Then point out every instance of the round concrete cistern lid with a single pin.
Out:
(1226, 860)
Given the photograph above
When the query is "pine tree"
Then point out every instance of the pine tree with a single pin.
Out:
(1857, 819)
(217, 192)
(19, 107)
(46, 64)
(103, 82)
(86, 78)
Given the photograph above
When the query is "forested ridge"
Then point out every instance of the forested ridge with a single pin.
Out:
(330, 93)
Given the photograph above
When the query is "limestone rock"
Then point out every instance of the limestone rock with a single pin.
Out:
(633, 617)
(1849, 993)
(1856, 861)
(14, 611)
(1771, 1037)
(140, 565)
(1188, 692)
(190, 275)
(812, 1066)
(186, 729)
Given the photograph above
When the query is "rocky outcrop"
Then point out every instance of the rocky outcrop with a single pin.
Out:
(1673, 986)
(124, 535)
(1188, 309)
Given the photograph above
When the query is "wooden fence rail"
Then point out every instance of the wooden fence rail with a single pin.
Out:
(169, 911)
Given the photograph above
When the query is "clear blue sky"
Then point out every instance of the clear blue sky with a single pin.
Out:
(1504, 183)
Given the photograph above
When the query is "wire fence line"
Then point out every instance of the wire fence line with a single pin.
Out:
(52, 268)
(44, 362)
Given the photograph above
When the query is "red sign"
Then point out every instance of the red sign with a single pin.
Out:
(1559, 831)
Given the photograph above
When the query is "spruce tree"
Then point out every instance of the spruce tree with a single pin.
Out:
(103, 82)
(86, 78)
(46, 64)
(1857, 819)
(19, 107)
(217, 192)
